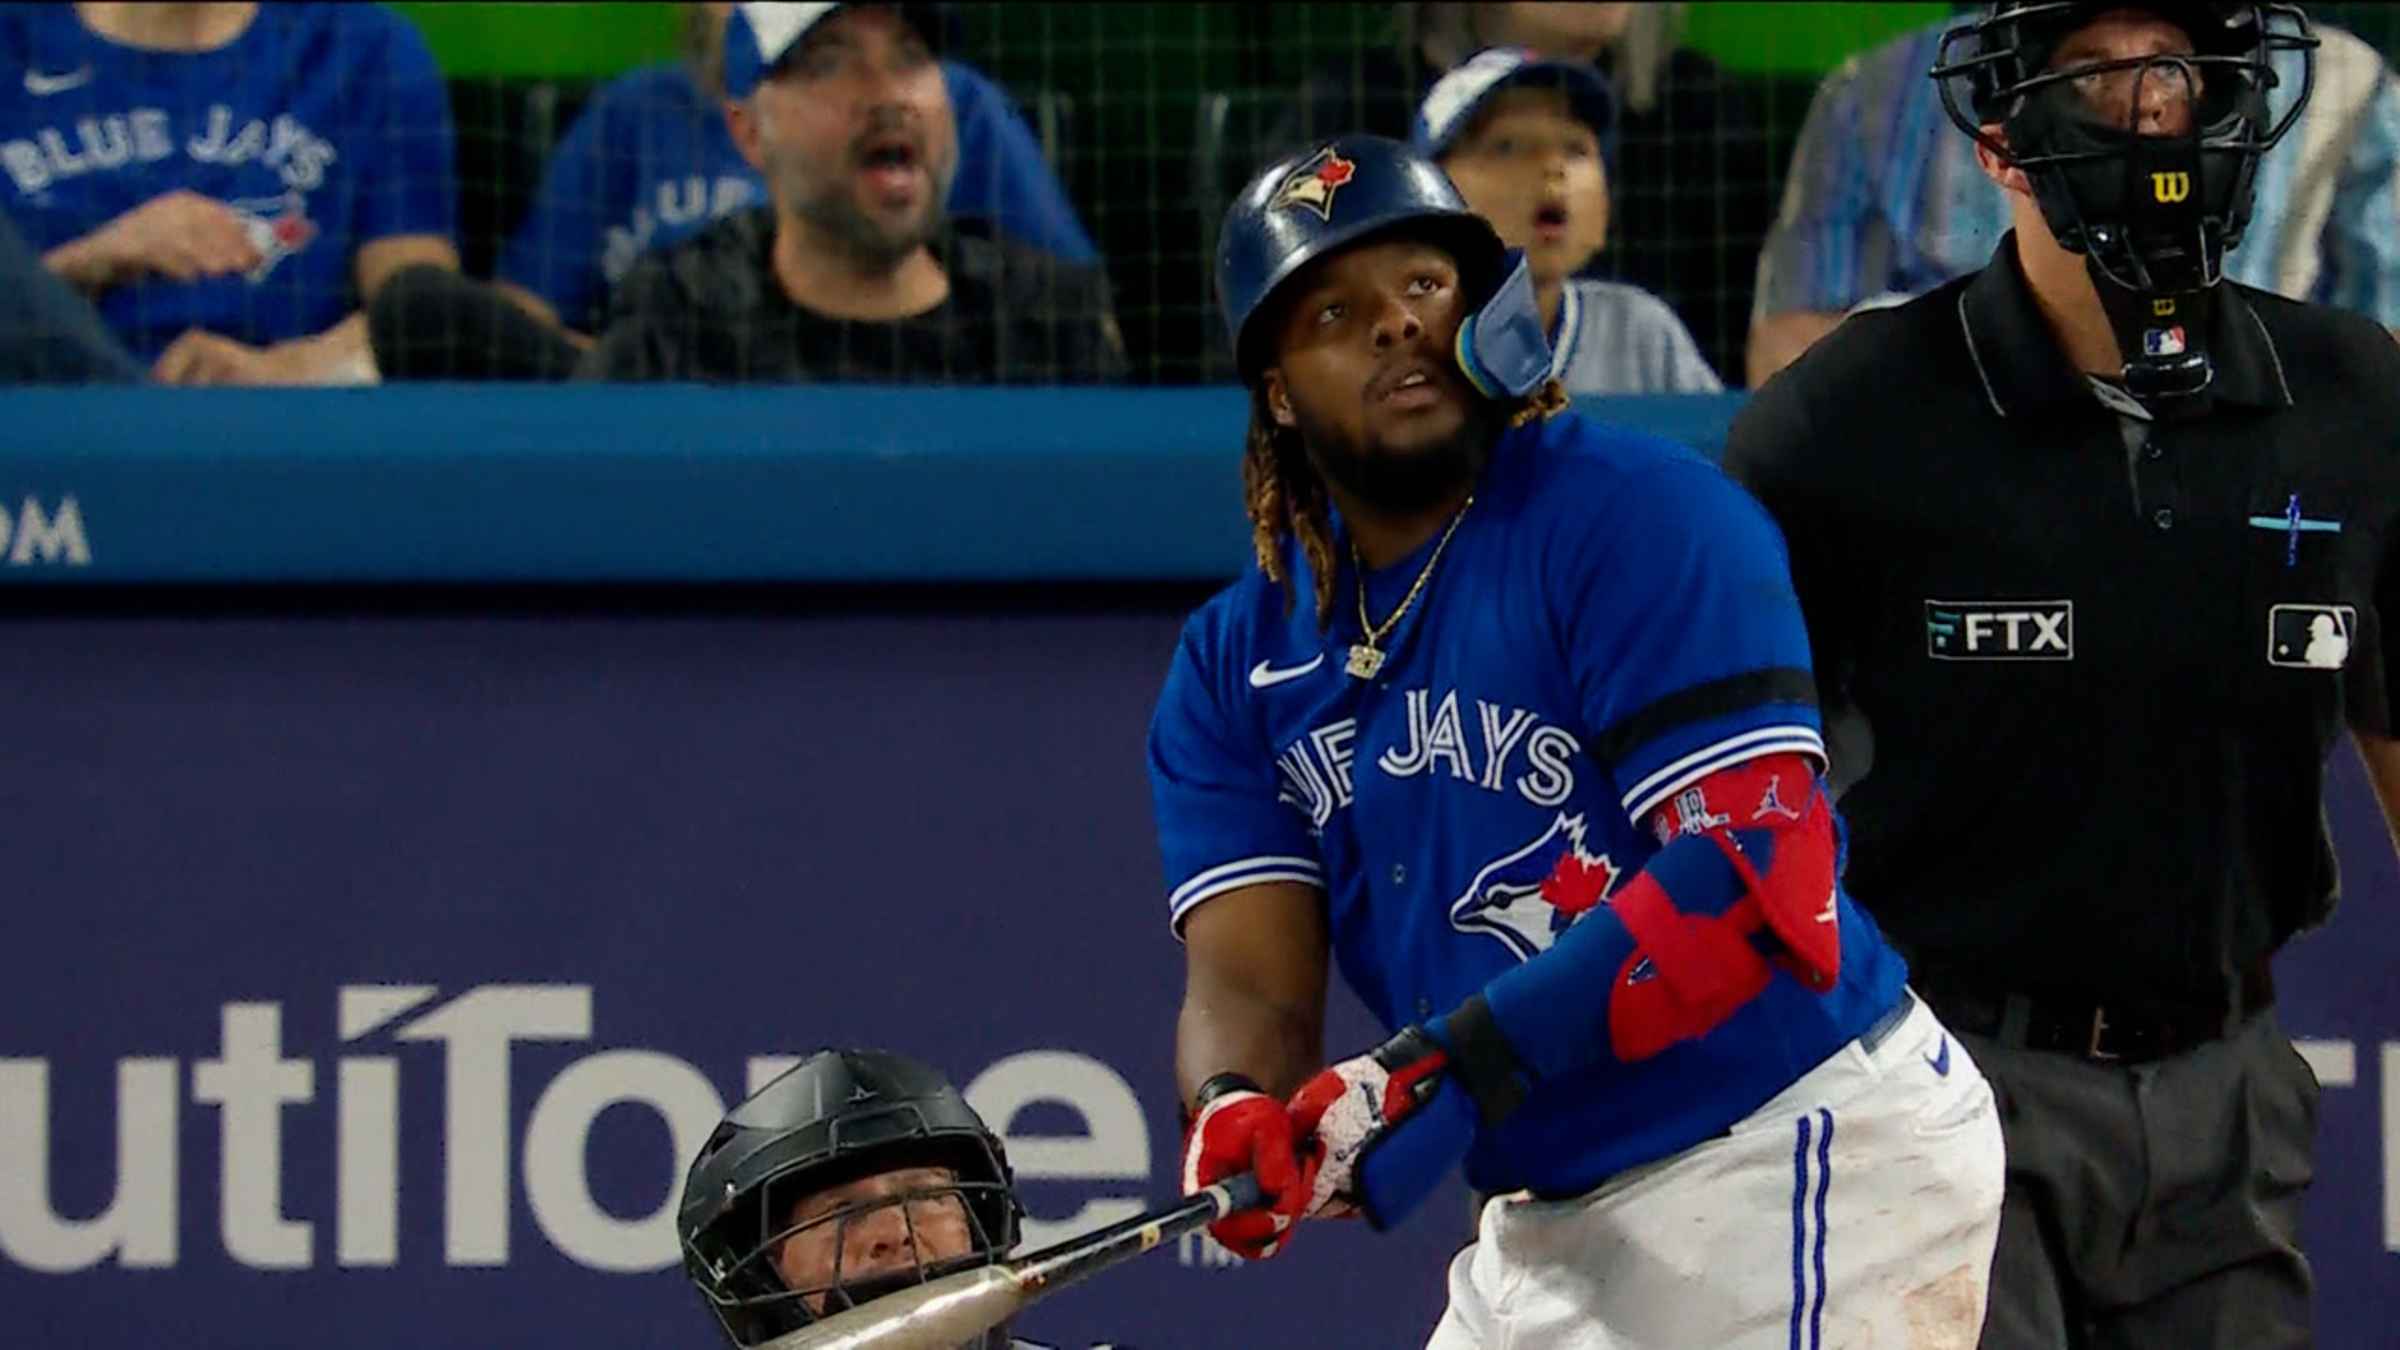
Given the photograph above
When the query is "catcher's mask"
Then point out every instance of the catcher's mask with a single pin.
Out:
(2152, 214)
(769, 1246)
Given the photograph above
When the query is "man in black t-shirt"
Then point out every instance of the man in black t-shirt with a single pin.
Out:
(851, 273)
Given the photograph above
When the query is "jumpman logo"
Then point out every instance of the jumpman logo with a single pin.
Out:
(1771, 804)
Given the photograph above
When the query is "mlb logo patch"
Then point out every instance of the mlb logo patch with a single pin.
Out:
(2163, 341)
(2310, 637)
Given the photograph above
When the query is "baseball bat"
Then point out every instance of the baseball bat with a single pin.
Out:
(940, 1314)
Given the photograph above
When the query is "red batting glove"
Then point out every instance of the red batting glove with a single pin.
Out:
(1242, 1129)
(1351, 1108)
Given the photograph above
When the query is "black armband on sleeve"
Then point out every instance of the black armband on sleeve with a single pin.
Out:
(1483, 1061)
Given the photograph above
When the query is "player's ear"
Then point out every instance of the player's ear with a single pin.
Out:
(1279, 398)
(1998, 167)
(741, 121)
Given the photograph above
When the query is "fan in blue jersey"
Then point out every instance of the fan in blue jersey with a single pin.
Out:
(1512, 719)
(229, 182)
(650, 162)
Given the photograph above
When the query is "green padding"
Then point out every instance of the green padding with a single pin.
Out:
(600, 40)
(546, 40)
(1797, 38)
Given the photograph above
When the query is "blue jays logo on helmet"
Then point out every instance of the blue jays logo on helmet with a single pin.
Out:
(1505, 899)
(1312, 185)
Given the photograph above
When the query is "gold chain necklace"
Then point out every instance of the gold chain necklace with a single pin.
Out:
(1366, 660)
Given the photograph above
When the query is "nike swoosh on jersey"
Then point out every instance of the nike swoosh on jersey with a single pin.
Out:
(1264, 676)
(38, 84)
(1939, 1061)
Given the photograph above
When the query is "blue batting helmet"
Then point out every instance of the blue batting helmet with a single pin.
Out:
(1322, 200)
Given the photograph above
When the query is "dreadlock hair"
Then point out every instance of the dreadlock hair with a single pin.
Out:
(1284, 495)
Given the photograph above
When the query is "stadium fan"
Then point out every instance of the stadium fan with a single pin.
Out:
(652, 161)
(1520, 137)
(1690, 149)
(229, 182)
(852, 272)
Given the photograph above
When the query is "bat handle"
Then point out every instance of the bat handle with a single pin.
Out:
(1236, 1193)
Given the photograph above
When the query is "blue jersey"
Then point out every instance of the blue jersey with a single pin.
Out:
(650, 161)
(324, 126)
(1612, 621)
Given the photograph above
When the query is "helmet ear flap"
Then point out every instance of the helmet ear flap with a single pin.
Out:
(1502, 348)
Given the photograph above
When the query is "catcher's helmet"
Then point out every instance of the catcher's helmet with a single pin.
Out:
(834, 1118)
(1345, 191)
(2154, 213)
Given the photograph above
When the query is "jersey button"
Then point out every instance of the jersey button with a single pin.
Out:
(1399, 875)
(2163, 518)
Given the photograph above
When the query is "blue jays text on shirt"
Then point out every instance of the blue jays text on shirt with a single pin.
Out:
(111, 141)
(678, 207)
(1517, 753)
(276, 226)
(1512, 751)
(1316, 768)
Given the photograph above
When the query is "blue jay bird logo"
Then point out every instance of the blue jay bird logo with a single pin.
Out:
(1505, 899)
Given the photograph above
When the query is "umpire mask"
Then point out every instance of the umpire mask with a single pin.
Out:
(2152, 209)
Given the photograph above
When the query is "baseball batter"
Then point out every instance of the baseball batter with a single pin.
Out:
(1513, 718)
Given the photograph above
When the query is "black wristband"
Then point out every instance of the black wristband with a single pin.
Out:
(1484, 1062)
(1217, 1086)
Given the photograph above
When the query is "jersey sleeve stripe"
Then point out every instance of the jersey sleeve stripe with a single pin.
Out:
(1723, 755)
(1212, 880)
(1778, 684)
(1195, 893)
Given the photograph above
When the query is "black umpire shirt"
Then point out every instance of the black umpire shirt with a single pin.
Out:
(2102, 660)
(711, 309)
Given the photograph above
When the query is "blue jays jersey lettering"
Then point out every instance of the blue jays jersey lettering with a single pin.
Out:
(321, 126)
(1612, 623)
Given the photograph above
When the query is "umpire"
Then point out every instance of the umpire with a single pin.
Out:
(2097, 552)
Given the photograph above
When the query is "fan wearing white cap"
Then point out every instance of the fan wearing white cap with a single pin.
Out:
(1521, 135)
(850, 272)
